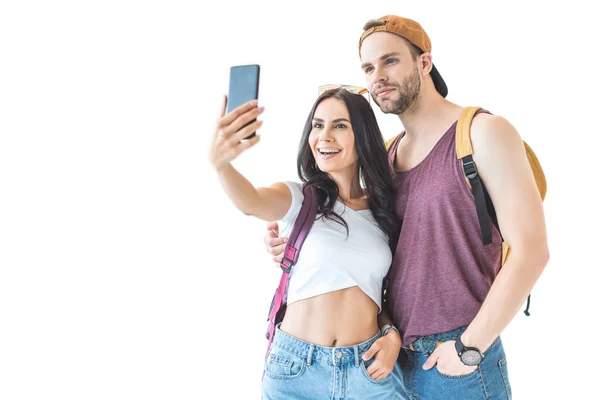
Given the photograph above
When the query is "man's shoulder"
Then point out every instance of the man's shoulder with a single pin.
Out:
(489, 131)
(389, 143)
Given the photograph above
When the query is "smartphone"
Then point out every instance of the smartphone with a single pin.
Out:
(243, 87)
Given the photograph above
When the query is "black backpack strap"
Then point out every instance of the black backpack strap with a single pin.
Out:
(479, 193)
(464, 151)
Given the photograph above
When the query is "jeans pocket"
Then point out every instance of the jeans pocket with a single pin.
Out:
(363, 367)
(504, 373)
(470, 374)
(283, 365)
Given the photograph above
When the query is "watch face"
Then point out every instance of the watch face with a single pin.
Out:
(471, 357)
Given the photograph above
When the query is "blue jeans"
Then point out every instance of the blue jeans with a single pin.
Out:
(488, 382)
(299, 370)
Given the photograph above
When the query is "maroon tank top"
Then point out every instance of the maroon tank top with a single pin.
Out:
(441, 272)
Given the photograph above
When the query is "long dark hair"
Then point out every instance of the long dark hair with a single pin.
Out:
(373, 168)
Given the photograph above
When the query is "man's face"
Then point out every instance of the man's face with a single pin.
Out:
(393, 77)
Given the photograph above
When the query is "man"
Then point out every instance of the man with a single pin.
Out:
(447, 294)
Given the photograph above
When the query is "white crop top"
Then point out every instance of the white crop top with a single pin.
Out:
(329, 260)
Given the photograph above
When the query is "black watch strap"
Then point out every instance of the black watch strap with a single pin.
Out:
(459, 346)
(468, 355)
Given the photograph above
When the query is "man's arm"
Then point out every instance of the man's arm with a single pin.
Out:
(502, 163)
(275, 244)
(383, 318)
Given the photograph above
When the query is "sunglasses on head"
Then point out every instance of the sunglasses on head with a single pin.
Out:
(348, 88)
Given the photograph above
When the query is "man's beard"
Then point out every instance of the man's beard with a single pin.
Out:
(408, 93)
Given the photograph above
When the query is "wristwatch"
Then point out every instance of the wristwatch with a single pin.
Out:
(386, 328)
(470, 356)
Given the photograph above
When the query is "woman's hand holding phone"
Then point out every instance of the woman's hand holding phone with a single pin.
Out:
(228, 139)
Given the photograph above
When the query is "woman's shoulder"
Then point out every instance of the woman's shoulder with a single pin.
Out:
(294, 187)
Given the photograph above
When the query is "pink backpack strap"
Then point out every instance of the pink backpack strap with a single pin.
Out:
(300, 230)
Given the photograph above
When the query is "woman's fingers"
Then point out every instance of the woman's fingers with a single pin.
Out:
(243, 146)
(236, 126)
(226, 120)
(246, 131)
(229, 142)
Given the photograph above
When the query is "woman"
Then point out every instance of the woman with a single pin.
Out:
(334, 294)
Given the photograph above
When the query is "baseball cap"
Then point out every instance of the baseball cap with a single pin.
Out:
(411, 31)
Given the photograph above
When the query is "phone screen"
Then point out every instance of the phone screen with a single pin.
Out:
(243, 85)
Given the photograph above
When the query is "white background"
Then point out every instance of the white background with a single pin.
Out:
(125, 272)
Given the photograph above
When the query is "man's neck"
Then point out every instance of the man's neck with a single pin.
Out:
(430, 115)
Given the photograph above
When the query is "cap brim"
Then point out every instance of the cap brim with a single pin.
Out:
(439, 83)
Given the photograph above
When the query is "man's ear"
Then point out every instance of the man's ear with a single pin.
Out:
(425, 63)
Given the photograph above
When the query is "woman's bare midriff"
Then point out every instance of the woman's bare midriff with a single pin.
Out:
(342, 318)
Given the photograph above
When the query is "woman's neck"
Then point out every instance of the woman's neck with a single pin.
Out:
(348, 184)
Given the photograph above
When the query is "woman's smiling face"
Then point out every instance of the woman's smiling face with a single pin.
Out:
(332, 138)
